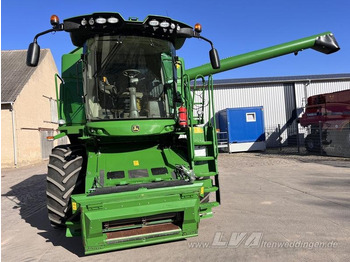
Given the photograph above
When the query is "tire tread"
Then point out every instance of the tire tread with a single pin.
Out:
(65, 166)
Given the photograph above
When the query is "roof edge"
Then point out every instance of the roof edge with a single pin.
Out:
(281, 79)
(12, 96)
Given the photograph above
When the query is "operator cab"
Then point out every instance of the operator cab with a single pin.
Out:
(129, 72)
(128, 77)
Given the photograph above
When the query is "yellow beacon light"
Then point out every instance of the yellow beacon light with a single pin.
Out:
(54, 20)
(198, 28)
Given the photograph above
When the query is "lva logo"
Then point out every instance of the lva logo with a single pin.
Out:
(255, 240)
(236, 239)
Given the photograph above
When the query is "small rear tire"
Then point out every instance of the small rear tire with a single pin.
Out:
(312, 144)
(65, 166)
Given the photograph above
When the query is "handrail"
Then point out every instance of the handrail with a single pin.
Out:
(211, 98)
(57, 96)
(190, 98)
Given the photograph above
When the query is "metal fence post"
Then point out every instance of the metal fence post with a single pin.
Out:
(298, 142)
(279, 137)
(320, 135)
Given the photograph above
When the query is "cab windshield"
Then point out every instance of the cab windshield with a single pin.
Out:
(129, 77)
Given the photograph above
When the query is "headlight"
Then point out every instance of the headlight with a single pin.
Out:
(164, 24)
(101, 20)
(153, 22)
(112, 20)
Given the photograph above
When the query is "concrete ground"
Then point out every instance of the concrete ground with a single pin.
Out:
(274, 208)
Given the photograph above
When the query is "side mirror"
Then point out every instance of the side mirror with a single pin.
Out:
(214, 58)
(33, 54)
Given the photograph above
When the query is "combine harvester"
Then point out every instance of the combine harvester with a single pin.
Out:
(141, 163)
(328, 117)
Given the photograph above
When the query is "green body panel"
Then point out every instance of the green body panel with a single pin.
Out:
(72, 130)
(71, 104)
(256, 56)
(95, 210)
(131, 127)
(126, 157)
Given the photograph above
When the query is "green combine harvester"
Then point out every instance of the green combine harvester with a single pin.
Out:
(141, 166)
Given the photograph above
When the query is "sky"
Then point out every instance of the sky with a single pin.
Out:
(234, 26)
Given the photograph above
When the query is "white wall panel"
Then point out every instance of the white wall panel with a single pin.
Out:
(268, 96)
(276, 98)
(316, 88)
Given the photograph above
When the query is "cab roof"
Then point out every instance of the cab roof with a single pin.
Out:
(84, 27)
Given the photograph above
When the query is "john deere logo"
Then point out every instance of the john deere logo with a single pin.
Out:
(135, 128)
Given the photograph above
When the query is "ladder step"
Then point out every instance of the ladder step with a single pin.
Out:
(203, 158)
(202, 174)
(197, 122)
(211, 189)
(209, 204)
(203, 143)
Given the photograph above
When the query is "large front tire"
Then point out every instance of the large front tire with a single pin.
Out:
(65, 165)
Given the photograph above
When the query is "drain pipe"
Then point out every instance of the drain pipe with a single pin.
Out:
(13, 130)
(14, 134)
(305, 93)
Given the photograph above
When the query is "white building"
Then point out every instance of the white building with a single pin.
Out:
(283, 98)
(28, 108)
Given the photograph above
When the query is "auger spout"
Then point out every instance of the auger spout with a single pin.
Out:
(325, 43)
